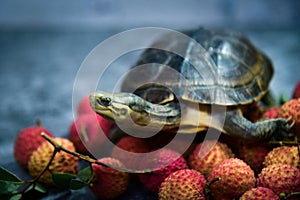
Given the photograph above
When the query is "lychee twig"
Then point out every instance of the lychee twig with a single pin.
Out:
(32, 183)
(84, 157)
(207, 190)
(282, 143)
(287, 196)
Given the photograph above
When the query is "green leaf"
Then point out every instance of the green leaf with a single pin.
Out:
(36, 188)
(10, 197)
(77, 184)
(40, 188)
(35, 192)
(7, 187)
(63, 180)
(16, 197)
(283, 98)
(6, 175)
(86, 174)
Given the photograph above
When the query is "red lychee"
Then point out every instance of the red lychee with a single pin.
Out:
(296, 92)
(292, 109)
(62, 162)
(84, 106)
(284, 155)
(127, 144)
(183, 184)
(88, 132)
(281, 178)
(182, 143)
(271, 113)
(204, 164)
(259, 193)
(253, 154)
(235, 178)
(163, 162)
(109, 183)
(27, 141)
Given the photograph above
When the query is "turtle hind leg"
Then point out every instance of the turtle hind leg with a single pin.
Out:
(236, 125)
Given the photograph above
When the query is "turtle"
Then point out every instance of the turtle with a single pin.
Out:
(218, 73)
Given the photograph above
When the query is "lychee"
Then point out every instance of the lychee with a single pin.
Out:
(27, 141)
(162, 162)
(109, 183)
(281, 178)
(204, 164)
(253, 154)
(259, 193)
(233, 177)
(62, 162)
(88, 132)
(84, 106)
(183, 184)
(296, 92)
(284, 155)
(291, 109)
(125, 147)
(271, 113)
(182, 143)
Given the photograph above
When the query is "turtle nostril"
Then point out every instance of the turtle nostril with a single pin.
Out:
(104, 101)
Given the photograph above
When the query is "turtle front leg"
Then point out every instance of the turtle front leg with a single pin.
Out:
(236, 125)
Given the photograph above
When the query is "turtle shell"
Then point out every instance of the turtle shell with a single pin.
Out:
(206, 66)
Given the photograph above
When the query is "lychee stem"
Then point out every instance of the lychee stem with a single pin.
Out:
(39, 123)
(288, 143)
(207, 190)
(84, 157)
(287, 196)
(283, 143)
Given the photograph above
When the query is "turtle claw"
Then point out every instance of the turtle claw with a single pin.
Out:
(292, 124)
(290, 120)
(282, 128)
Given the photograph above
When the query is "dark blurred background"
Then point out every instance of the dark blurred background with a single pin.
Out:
(43, 43)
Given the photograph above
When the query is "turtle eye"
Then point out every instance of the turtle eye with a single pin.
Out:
(104, 101)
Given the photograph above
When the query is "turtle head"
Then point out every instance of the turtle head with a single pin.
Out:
(101, 103)
(122, 106)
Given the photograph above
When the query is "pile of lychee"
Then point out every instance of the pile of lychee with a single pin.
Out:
(231, 169)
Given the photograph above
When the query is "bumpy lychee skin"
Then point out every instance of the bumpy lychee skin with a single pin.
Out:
(109, 183)
(291, 109)
(271, 113)
(163, 162)
(236, 177)
(296, 92)
(217, 154)
(259, 193)
(281, 178)
(253, 154)
(183, 184)
(283, 155)
(127, 145)
(27, 141)
(62, 162)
